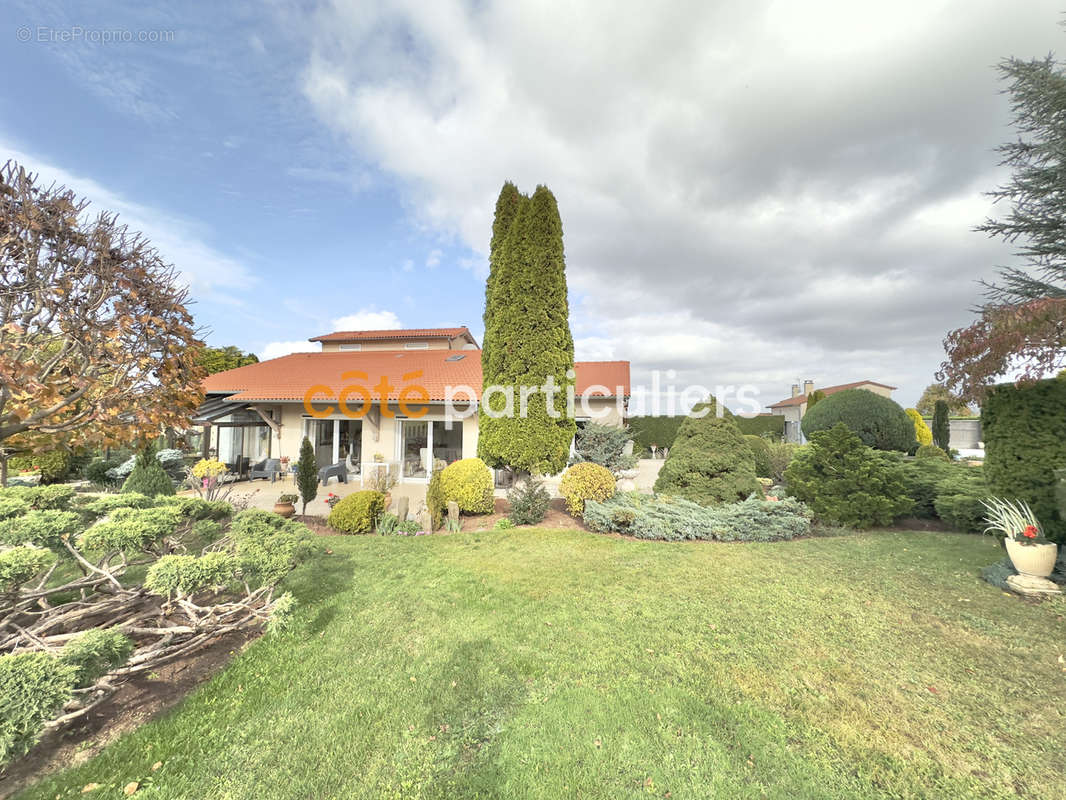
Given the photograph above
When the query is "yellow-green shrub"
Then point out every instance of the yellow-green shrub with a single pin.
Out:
(922, 431)
(469, 483)
(358, 512)
(586, 481)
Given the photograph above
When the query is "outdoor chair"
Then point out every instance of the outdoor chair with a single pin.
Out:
(338, 471)
(267, 468)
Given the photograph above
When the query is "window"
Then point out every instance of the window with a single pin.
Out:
(416, 346)
(349, 347)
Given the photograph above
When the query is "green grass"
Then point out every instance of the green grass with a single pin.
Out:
(551, 664)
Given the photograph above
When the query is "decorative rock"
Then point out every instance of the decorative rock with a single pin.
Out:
(425, 521)
(1031, 586)
(628, 449)
(453, 512)
(402, 504)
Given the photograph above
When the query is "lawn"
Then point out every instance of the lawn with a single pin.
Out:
(548, 664)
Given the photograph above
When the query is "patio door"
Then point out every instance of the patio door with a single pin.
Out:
(414, 449)
(324, 440)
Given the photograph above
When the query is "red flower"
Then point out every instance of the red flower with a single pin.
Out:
(1030, 532)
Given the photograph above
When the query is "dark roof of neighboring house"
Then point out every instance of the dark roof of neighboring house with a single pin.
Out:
(800, 399)
(288, 378)
(385, 335)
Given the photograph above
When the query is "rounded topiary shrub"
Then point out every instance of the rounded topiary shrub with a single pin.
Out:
(879, 422)
(585, 481)
(358, 512)
(760, 449)
(469, 483)
(710, 462)
(148, 476)
(931, 451)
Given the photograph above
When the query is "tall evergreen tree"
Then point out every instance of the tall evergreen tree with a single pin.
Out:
(528, 338)
(307, 474)
(507, 207)
(941, 425)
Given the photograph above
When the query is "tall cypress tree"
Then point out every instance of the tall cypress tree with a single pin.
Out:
(528, 340)
(507, 206)
(941, 425)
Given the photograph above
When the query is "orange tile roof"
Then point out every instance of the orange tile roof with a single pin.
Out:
(288, 378)
(405, 333)
(800, 399)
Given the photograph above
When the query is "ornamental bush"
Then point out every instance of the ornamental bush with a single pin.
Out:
(12, 507)
(529, 502)
(148, 476)
(469, 483)
(93, 507)
(921, 431)
(33, 688)
(942, 489)
(605, 445)
(98, 472)
(1025, 442)
(760, 450)
(42, 528)
(435, 501)
(267, 546)
(131, 529)
(780, 456)
(53, 465)
(182, 575)
(358, 512)
(846, 482)
(931, 451)
(878, 421)
(95, 653)
(21, 564)
(710, 462)
(42, 498)
(583, 482)
(963, 512)
(676, 519)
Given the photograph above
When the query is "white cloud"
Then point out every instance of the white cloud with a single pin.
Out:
(756, 190)
(367, 319)
(279, 349)
(433, 259)
(211, 274)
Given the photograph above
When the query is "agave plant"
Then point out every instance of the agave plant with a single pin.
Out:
(1012, 519)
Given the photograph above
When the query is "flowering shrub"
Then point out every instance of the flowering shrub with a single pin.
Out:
(583, 482)
(208, 468)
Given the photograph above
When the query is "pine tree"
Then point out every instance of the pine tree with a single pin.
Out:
(941, 426)
(307, 474)
(528, 338)
(709, 462)
(148, 476)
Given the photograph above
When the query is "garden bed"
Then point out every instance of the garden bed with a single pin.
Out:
(142, 698)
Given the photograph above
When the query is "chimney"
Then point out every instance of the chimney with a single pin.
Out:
(808, 387)
(795, 389)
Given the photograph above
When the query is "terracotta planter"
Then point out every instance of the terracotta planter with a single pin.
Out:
(284, 509)
(1032, 559)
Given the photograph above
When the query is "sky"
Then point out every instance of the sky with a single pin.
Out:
(751, 193)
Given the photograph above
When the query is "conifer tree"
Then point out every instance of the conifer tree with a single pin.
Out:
(527, 334)
(507, 207)
(941, 426)
(307, 474)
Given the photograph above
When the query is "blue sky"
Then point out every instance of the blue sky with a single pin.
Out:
(751, 193)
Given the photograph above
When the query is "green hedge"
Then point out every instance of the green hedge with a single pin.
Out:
(661, 431)
(772, 425)
(1025, 442)
(880, 422)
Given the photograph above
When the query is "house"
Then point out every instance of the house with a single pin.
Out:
(405, 397)
(793, 408)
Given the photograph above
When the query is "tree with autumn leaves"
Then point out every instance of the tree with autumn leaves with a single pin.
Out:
(1022, 324)
(95, 338)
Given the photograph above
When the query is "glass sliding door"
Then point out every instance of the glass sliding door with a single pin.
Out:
(447, 444)
(414, 448)
(323, 442)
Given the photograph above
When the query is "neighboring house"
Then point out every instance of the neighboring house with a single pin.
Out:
(793, 408)
(258, 411)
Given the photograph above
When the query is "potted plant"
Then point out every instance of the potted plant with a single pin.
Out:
(1029, 551)
(285, 506)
